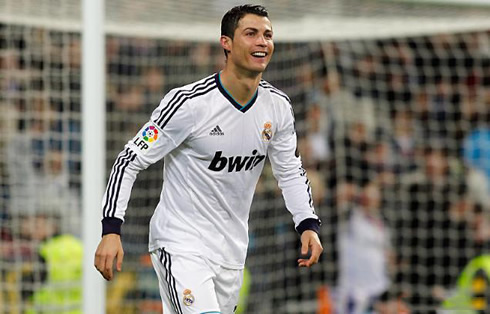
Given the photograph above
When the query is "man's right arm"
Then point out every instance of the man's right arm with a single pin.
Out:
(156, 139)
(169, 126)
(116, 197)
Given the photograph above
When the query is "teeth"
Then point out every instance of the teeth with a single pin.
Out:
(258, 54)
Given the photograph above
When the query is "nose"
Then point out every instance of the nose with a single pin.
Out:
(261, 41)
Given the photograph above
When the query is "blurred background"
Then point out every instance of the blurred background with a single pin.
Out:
(392, 105)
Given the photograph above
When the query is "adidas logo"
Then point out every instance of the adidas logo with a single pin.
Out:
(216, 131)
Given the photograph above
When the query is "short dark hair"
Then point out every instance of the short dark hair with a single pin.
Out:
(230, 20)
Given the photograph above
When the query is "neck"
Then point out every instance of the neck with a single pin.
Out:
(241, 86)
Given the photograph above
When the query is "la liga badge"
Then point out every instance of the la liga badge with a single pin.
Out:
(146, 137)
(150, 134)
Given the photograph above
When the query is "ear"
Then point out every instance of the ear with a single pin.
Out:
(225, 42)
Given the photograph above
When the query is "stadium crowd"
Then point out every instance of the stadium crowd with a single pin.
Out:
(394, 135)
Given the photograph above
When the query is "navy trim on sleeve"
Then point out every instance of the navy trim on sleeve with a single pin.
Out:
(309, 224)
(111, 225)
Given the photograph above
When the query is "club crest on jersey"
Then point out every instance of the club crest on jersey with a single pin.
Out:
(188, 297)
(146, 137)
(267, 132)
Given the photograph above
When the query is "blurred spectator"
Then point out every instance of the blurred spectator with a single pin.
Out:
(154, 87)
(477, 150)
(404, 139)
(349, 153)
(317, 135)
(397, 59)
(365, 249)
(481, 227)
(51, 280)
(391, 303)
(126, 109)
(342, 107)
(346, 196)
(426, 199)
(200, 57)
(457, 236)
(380, 163)
(39, 175)
(478, 186)
(421, 110)
(471, 294)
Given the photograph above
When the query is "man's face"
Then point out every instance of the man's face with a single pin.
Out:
(252, 45)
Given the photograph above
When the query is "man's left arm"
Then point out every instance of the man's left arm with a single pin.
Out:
(295, 186)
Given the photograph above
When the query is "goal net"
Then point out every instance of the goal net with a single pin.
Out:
(392, 105)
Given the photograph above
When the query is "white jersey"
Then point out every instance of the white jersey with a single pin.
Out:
(214, 150)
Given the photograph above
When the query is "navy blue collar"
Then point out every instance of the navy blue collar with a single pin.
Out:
(232, 100)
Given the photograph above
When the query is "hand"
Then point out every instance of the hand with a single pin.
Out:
(310, 240)
(110, 247)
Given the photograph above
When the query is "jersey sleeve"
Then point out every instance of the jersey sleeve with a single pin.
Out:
(291, 176)
(170, 124)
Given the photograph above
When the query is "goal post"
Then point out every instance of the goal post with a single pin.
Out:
(93, 148)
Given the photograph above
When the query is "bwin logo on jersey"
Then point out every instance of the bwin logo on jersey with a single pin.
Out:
(235, 163)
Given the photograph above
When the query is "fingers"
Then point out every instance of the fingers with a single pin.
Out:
(304, 247)
(310, 241)
(103, 263)
(107, 270)
(315, 256)
(316, 250)
(109, 251)
(303, 262)
(120, 257)
(97, 261)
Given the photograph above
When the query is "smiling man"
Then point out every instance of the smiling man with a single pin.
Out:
(214, 136)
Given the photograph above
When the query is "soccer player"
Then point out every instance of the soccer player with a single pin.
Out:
(214, 136)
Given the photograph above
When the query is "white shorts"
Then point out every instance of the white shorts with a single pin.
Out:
(191, 284)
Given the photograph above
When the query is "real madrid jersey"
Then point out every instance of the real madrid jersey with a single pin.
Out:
(214, 150)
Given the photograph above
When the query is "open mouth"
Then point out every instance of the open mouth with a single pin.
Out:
(259, 54)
